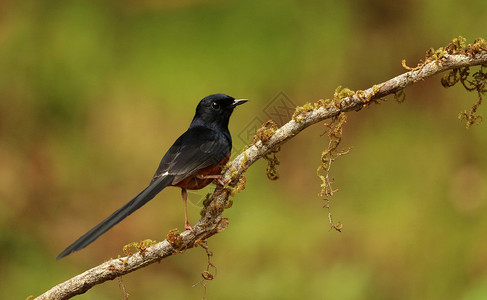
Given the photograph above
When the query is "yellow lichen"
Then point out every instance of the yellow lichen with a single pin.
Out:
(457, 46)
(265, 132)
(300, 111)
(240, 186)
(341, 93)
(244, 162)
(479, 45)
(140, 246)
(321, 103)
(175, 239)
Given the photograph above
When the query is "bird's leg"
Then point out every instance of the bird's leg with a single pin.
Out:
(217, 177)
(184, 194)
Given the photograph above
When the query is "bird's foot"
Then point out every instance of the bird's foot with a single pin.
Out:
(217, 177)
(187, 226)
(220, 181)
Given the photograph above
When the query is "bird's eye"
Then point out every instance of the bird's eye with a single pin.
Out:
(215, 106)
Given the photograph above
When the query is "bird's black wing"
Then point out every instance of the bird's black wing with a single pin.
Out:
(197, 149)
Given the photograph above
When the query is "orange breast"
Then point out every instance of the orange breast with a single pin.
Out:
(194, 183)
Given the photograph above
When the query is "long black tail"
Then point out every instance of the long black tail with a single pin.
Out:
(142, 198)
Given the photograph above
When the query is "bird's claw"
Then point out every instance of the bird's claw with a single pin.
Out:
(188, 227)
(214, 177)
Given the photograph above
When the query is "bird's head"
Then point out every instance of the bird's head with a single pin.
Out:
(216, 109)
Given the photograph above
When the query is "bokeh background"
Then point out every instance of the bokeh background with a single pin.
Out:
(92, 93)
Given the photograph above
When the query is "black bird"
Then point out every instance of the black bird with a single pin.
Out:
(194, 160)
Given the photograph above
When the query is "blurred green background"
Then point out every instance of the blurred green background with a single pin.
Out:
(92, 93)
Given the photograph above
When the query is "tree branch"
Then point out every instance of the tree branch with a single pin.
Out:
(212, 221)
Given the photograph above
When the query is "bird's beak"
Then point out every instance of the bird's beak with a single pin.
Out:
(239, 101)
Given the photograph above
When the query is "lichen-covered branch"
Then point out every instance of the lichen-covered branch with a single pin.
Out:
(267, 141)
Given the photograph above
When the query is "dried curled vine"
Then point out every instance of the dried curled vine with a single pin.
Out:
(263, 134)
(211, 270)
(475, 82)
(334, 132)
